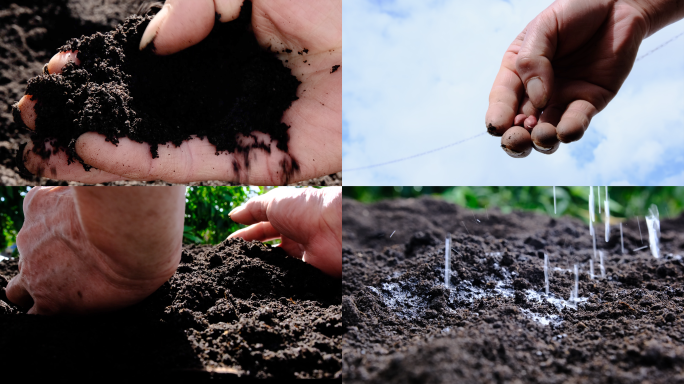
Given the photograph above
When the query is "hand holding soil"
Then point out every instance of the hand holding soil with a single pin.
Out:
(566, 66)
(309, 222)
(86, 250)
(308, 38)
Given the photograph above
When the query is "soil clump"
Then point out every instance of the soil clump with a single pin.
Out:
(494, 323)
(236, 309)
(31, 31)
(222, 88)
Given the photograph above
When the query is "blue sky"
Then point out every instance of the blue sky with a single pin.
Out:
(418, 74)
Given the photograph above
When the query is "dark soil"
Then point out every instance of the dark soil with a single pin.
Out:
(225, 86)
(31, 32)
(494, 324)
(236, 309)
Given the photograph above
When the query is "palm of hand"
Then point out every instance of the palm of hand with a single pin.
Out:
(314, 119)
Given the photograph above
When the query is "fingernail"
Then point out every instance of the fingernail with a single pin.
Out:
(58, 61)
(235, 210)
(153, 27)
(536, 92)
(27, 112)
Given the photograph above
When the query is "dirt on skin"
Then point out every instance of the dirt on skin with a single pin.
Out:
(235, 309)
(224, 88)
(31, 32)
(495, 323)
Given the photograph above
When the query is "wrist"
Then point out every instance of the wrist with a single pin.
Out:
(657, 14)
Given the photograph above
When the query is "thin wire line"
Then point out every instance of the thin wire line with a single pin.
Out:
(416, 155)
(476, 136)
(658, 47)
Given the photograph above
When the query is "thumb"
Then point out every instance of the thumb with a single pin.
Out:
(534, 58)
(180, 24)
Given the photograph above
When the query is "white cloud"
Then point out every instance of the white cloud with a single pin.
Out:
(418, 74)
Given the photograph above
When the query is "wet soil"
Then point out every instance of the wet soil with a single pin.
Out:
(235, 309)
(495, 323)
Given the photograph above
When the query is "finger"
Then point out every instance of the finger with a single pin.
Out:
(530, 122)
(575, 121)
(262, 231)
(57, 167)
(503, 101)
(193, 160)
(516, 142)
(292, 247)
(16, 292)
(544, 138)
(527, 108)
(519, 119)
(25, 113)
(228, 9)
(533, 63)
(60, 60)
(180, 24)
(253, 211)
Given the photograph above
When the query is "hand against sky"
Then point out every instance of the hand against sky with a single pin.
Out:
(315, 119)
(308, 220)
(567, 65)
(93, 249)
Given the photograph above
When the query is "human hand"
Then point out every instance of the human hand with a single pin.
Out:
(563, 69)
(315, 118)
(73, 261)
(309, 222)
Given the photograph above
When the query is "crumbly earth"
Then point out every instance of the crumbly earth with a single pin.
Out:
(494, 324)
(31, 31)
(235, 309)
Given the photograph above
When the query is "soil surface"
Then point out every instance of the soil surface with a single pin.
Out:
(235, 309)
(495, 323)
(32, 31)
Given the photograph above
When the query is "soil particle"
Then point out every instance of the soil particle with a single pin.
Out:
(259, 313)
(494, 323)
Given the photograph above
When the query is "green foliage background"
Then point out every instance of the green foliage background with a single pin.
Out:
(206, 212)
(207, 208)
(11, 215)
(625, 202)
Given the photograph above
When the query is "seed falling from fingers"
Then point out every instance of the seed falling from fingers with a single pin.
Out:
(591, 269)
(641, 237)
(653, 226)
(447, 261)
(546, 273)
(554, 200)
(603, 269)
(622, 240)
(607, 210)
(392, 234)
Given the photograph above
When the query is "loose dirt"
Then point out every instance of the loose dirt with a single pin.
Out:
(495, 324)
(132, 98)
(236, 309)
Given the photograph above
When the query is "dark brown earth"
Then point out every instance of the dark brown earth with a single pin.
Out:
(236, 309)
(223, 87)
(403, 326)
(31, 32)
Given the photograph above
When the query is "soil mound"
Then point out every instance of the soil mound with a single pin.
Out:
(236, 309)
(495, 323)
(225, 86)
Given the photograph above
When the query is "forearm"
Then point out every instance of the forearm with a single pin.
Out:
(140, 228)
(660, 13)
